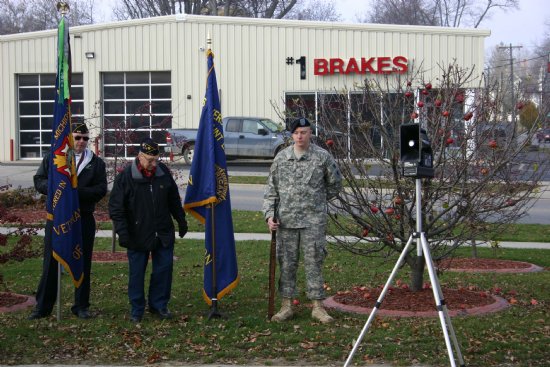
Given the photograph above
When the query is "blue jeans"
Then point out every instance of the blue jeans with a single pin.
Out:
(160, 285)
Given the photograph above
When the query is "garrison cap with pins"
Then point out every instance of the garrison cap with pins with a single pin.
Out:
(299, 122)
(149, 147)
(79, 127)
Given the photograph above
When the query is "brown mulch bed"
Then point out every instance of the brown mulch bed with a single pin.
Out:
(32, 215)
(11, 299)
(477, 263)
(10, 302)
(109, 256)
(402, 299)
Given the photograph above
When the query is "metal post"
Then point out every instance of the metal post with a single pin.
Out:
(63, 8)
(214, 313)
(349, 125)
(418, 188)
(58, 291)
(510, 47)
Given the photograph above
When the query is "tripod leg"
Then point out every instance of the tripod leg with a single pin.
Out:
(440, 302)
(445, 310)
(379, 300)
(453, 338)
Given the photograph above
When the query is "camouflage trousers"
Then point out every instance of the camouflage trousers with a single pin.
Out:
(312, 243)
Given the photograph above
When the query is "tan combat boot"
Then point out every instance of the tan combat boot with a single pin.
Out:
(285, 312)
(319, 312)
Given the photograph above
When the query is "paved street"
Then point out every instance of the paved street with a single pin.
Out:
(244, 197)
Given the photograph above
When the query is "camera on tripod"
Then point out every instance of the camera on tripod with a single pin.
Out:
(416, 152)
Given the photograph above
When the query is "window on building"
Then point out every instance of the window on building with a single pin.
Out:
(136, 105)
(349, 119)
(35, 102)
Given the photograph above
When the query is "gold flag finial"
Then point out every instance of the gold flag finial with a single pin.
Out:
(63, 7)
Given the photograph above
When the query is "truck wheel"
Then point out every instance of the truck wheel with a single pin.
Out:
(188, 153)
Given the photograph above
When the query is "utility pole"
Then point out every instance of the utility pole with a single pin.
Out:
(510, 47)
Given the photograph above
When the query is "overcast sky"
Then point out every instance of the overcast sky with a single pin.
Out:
(524, 27)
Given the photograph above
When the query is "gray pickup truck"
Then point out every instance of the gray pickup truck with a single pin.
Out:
(245, 137)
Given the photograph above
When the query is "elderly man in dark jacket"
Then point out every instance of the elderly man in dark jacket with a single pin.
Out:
(143, 201)
(92, 187)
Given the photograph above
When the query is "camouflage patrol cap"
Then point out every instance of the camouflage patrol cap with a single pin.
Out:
(149, 147)
(299, 122)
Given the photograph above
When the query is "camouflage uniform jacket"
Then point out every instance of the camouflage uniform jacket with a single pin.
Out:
(298, 189)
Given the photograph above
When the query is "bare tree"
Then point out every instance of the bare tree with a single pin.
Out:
(132, 9)
(18, 16)
(542, 53)
(530, 82)
(320, 10)
(498, 71)
(16, 242)
(482, 171)
(456, 13)
(123, 134)
(410, 12)
(448, 13)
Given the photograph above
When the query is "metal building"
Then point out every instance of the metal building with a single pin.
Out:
(151, 72)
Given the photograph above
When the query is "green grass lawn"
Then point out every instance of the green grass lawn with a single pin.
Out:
(517, 336)
(253, 222)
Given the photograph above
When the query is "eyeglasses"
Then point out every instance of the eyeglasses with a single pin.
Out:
(85, 138)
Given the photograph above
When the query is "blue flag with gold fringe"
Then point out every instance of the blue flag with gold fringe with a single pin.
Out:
(207, 196)
(62, 205)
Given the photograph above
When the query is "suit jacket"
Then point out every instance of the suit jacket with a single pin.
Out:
(92, 182)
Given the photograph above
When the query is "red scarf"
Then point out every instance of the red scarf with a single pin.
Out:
(144, 172)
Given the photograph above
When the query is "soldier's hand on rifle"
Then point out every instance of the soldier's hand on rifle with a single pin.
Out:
(272, 224)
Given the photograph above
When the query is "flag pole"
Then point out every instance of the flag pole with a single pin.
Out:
(214, 313)
(58, 291)
(63, 8)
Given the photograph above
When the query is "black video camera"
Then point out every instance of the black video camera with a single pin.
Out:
(416, 152)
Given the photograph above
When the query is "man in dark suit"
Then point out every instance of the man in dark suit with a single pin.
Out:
(92, 186)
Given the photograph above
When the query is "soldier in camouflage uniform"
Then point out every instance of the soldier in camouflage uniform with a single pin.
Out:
(302, 179)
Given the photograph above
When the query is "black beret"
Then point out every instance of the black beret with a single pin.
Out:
(149, 147)
(80, 127)
(299, 122)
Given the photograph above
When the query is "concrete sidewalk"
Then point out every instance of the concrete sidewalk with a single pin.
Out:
(267, 237)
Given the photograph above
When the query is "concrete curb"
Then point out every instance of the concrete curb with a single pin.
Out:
(31, 301)
(499, 304)
(532, 268)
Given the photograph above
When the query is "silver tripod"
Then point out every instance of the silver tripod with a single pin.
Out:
(423, 249)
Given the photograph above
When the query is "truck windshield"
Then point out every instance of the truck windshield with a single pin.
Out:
(272, 126)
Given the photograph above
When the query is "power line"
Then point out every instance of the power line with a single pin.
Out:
(517, 62)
